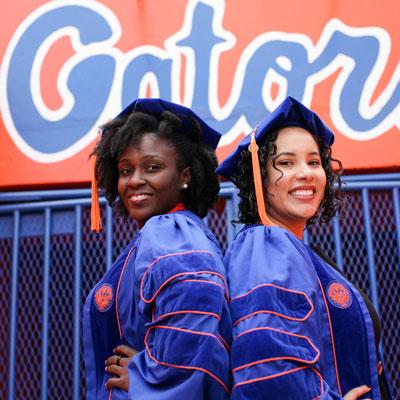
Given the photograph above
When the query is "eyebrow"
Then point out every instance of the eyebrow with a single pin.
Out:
(146, 156)
(288, 153)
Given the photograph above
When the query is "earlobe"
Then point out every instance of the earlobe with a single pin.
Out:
(186, 177)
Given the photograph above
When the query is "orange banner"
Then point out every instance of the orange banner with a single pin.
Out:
(69, 66)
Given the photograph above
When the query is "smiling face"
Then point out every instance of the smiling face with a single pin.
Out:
(297, 183)
(150, 182)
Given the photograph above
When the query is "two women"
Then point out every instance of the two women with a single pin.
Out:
(301, 330)
(162, 307)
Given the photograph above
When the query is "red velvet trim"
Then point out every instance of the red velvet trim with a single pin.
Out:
(178, 207)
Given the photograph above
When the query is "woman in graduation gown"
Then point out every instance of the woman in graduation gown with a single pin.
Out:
(157, 325)
(301, 330)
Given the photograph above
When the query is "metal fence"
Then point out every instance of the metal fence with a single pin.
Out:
(50, 259)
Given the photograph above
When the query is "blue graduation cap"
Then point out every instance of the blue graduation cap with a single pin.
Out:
(289, 113)
(157, 106)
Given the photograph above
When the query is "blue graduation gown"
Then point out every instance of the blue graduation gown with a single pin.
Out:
(166, 297)
(300, 329)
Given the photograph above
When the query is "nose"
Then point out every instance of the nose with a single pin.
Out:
(136, 179)
(304, 172)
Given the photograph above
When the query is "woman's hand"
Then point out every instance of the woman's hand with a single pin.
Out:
(117, 365)
(356, 392)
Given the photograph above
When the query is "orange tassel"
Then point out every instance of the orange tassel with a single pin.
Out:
(258, 181)
(95, 211)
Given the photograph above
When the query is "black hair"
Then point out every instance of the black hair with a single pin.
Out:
(202, 193)
(333, 199)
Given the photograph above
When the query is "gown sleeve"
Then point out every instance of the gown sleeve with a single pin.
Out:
(277, 317)
(182, 296)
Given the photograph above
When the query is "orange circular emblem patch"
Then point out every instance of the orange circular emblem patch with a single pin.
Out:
(339, 295)
(104, 297)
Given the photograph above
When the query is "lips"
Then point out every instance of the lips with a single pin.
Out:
(303, 192)
(138, 197)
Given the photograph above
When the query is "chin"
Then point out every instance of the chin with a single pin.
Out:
(307, 212)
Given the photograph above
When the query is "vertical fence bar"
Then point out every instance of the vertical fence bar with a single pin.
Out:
(370, 249)
(109, 235)
(77, 302)
(229, 217)
(338, 243)
(46, 295)
(396, 208)
(235, 207)
(13, 308)
(306, 237)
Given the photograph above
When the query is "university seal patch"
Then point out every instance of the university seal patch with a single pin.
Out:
(104, 297)
(339, 295)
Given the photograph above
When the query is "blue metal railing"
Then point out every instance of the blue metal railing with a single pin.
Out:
(50, 214)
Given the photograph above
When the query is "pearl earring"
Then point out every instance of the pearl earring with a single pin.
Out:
(185, 186)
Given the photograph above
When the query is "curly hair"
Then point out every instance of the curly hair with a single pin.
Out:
(202, 193)
(333, 199)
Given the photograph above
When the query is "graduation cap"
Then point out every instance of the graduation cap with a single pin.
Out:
(155, 107)
(289, 113)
